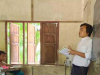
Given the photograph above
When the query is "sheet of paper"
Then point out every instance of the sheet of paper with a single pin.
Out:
(64, 51)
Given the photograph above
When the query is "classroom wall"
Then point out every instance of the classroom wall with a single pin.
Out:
(58, 10)
(15, 10)
(44, 70)
(2, 36)
(68, 35)
(70, 13)
(88, 13)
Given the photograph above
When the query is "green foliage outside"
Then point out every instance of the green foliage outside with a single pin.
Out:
(37, 40)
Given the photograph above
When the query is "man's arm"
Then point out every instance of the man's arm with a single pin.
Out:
(86, 55)
(73, 52)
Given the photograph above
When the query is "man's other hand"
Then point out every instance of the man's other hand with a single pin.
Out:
(73, 52)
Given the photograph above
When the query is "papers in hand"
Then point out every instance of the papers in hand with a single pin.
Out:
(64, 51)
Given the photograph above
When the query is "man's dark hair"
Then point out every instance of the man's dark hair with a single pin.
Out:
(2, 52)
(89, 28)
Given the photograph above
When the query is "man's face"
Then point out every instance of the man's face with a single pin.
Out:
(2, 57)
(82, 32)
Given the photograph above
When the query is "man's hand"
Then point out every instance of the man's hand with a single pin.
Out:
(73, 52)
(70, 48)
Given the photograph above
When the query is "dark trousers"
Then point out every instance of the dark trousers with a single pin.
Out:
(77, 70)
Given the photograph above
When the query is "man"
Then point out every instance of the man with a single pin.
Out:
(82, 55)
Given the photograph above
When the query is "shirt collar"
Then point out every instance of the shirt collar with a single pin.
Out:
(85, 38)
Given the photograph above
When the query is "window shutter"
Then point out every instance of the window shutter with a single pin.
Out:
(31, 44)
(49, 43)
(14, 43)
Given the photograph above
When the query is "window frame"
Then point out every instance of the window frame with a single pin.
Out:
(27, 42)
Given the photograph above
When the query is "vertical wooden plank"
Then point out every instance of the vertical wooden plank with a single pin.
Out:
(23, 42)
(57, 31)
(6, 40)
(41, 45)
(32, 10)
(31, 44)
(27, 43)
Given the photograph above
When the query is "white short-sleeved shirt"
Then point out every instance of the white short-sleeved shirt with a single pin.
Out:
(84, 46)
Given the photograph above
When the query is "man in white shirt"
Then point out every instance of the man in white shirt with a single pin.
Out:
(82, 55)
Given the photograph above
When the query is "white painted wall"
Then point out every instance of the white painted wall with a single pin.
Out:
(58, 10)
(15, 10)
